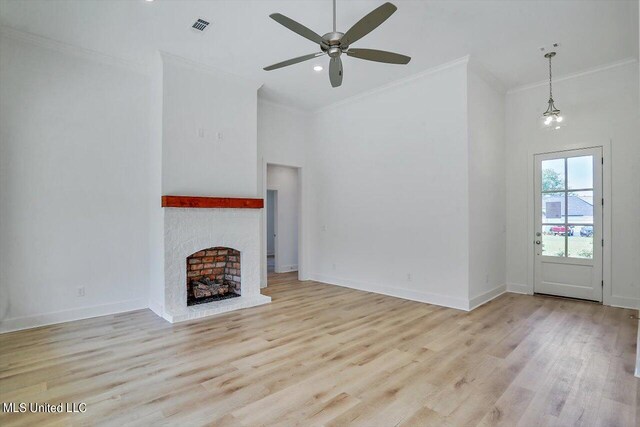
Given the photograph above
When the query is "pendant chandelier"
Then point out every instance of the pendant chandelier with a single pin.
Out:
(552, 117)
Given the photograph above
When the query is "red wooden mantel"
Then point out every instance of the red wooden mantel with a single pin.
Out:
(211, 202)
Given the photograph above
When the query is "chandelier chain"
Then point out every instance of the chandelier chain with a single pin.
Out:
(550, 84)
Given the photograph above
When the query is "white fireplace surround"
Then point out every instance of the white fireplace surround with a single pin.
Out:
(187, 231)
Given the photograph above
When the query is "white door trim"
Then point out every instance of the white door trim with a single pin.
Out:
(607, 296)
(302, 203)
(276, 248)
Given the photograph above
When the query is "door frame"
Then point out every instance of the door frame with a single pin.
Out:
(302, 236)
(553, 147)
(275, 223)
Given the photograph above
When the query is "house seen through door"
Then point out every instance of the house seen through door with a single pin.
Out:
(568, 224)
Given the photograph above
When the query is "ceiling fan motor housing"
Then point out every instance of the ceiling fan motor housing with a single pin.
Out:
(331, 43)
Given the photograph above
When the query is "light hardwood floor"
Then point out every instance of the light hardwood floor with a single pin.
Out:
(326, 355)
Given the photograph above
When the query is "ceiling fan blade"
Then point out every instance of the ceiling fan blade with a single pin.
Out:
(367, 24)
(335, 71)
(293, 61)
(379, 56)
(296, 27)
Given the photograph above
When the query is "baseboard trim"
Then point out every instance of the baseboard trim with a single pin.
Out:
(157, 308)
(624, 302)
(484, 298)
(408, 294)
(29, 322)
(518, 288)
(286, 268)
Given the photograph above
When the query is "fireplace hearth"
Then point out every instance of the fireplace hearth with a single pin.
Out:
(213, 274)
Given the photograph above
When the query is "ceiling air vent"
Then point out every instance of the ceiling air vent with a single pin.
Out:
(200, 25)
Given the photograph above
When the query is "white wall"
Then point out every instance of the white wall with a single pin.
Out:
(388, 190)
(156, 212)
(487, 222)
(283, 134)
(208, 131)
(601, 108)
(638, 341)
(74, 185)
(285, 181)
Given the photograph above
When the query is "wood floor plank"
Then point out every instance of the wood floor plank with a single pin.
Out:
(322, 355)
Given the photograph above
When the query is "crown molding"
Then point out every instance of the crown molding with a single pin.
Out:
(583, 73)
(69, 49)
(289, 108)
(199, 66)
(396, 83)
(477, 68)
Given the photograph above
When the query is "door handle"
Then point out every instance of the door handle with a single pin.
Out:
(537, 242)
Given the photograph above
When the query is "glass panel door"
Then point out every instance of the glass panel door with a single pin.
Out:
(568, 223)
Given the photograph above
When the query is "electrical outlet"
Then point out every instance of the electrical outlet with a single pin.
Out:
(323, 228)
(80, 291)
(220, 136)
(408, 277)
(201, 133)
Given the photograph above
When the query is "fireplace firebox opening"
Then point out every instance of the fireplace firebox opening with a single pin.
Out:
(212, 275)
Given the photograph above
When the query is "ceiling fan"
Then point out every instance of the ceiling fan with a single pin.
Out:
(336, 43)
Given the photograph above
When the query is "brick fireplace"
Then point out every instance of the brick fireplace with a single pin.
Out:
(211, 257)
(213, 274)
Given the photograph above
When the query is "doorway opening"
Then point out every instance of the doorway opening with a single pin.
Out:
(272, 197)
(282, 219)
(568, 235)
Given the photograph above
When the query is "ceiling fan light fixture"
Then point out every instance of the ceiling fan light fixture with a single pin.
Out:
(335, 43)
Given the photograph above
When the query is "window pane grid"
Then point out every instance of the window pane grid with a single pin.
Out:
(556, 176)
(560, 190)
(571, 224)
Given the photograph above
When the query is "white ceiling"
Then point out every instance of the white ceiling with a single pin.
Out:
(503, 36)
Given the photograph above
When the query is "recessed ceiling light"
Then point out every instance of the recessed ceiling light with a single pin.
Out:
(148, 1)
(317, 68)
